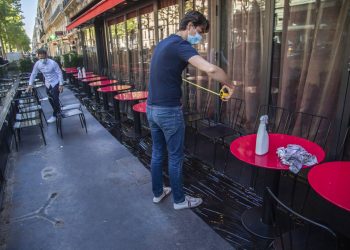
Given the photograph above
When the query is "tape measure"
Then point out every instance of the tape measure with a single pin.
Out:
(222, 94)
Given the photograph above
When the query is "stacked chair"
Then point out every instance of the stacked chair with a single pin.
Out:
(28, 113)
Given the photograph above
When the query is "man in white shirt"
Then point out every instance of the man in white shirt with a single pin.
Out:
(53, 80)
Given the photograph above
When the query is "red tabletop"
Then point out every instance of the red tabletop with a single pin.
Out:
(94, 79)
(88, 74)
(140, 107)
(86, 77)
(70, 71)
(132, 96)
(102, 83)
(244, 149)
(114, 88)
(331, 181)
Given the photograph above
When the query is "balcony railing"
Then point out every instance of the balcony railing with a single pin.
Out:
(66, 2)
(56, 12)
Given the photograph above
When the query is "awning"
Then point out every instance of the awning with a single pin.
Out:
(96, 10)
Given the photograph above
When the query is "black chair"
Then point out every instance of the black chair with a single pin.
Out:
(231, 116)
(27, 113)
(294, 231)
(278, 118)
(341, 155)
(314, 128)
(70, 113)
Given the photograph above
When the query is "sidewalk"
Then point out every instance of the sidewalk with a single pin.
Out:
(88, 191)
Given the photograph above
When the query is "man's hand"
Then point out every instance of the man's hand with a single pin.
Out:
(225, 93)
(60, 88)
(29, 88)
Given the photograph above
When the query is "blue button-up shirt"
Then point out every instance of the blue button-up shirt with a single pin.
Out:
(51, 72)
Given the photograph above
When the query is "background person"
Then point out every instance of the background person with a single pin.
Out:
(164, 109)
(53, 81)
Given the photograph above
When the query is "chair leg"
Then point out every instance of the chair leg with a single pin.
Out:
(195, 143)
(295, 177)
(305, 199)
(15, 135)
(81, 121)
(83, 116)
(215, 148)
(42, 134)
(60, 127)
(42, 112)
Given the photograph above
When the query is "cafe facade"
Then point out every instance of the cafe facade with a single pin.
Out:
(292, 54)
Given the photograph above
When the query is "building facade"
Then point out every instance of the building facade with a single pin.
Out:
(292, 54)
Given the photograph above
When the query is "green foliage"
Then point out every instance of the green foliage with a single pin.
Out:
(72, 59)
(26, 65)
(13, 66)
(12, 33)
(58, 60)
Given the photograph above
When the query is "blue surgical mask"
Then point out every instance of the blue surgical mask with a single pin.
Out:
(194, 39)
(44, 60)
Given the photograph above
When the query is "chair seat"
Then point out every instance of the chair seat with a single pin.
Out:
(27, 123)
(217, 131)
(71, 112)
(71, 106)
(30, 108)
(28, 115)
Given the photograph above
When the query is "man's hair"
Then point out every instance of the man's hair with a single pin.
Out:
(41, 52)
(197, 18)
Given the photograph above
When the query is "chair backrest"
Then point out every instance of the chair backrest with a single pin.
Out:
(295, 231)
(315, 128)
(232, 113)
(278, 118)
(341, 153)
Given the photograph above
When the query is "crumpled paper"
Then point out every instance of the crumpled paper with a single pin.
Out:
(295, 156)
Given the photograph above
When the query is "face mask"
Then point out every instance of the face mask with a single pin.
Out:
(194, 39)
(43, 60)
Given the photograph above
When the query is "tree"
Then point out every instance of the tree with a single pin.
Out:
(12, 33)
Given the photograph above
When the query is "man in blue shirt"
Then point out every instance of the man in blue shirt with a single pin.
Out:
(53, 80)
(164, 109)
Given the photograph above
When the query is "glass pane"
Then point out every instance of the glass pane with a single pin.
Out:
(135, 58)
(308, 51)
(168, 21)
(148, 42)
(242, 54)
(113, 52)
(122, 52)
(90, 48)
(197, 100)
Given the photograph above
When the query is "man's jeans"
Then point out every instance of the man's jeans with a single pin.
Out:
(168, 132)
(53, 94)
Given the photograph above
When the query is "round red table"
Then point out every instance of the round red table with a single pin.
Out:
(94, 85)
(140, 107)
(86, 81)
(331, 181)
(257, 220)
(134, 97)
(111, 89)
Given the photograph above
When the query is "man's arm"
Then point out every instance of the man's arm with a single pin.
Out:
(212, 70)
(34, 73)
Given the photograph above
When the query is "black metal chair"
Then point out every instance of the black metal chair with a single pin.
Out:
(27, 113)
(231, 116)
(70, 113)
(314, 128)
(294, 231)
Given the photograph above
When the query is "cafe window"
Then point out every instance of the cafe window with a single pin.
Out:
(112, 50)
(148, 39)
(241, 53)
(308, 55)
(195, 99)
(90, 49)
(134, 50)
(122, 51)
(168, 18)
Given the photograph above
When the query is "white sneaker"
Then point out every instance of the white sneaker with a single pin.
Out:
(189, 202)
(52, 119)
(166, 191)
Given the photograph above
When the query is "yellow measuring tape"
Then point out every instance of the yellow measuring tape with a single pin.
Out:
(221, 94)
